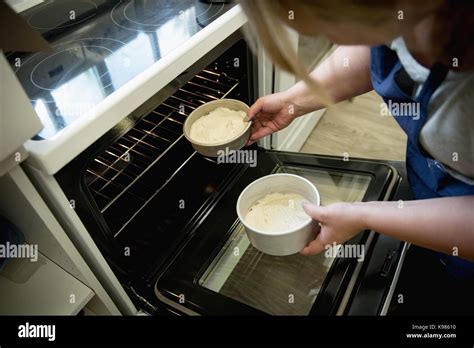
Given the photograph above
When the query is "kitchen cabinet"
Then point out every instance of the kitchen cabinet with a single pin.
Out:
(40, 288)
(60, 270)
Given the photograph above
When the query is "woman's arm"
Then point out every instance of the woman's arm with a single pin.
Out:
(441, 224)
(344, 74)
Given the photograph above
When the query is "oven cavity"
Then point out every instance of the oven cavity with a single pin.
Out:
(141, 188)
(116, 177)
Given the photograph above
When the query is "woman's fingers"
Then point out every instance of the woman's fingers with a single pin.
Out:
(315, 247)
(260, 133)
(261, 127)
(316, 212)
(254, 109)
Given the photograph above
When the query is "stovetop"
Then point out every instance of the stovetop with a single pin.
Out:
(99, 45)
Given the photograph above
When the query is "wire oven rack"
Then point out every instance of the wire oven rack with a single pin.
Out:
(118, 170)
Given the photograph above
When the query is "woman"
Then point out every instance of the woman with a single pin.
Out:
(415, 53)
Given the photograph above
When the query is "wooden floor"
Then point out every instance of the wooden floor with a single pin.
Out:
(358, 128)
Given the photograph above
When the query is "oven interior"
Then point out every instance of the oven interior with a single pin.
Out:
(127, 187)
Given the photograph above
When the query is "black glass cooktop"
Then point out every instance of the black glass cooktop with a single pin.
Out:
(99, 45)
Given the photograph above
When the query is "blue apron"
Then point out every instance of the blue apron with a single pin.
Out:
(427, 177)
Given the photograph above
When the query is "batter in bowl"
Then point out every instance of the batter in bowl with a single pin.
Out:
(277, 212)
(218, 126)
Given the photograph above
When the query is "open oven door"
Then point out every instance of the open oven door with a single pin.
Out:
(218, 271)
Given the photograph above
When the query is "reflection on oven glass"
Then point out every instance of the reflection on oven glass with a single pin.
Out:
(334, 186)
(280, 285)
(130, 60)
(173, 33)
(107, 45)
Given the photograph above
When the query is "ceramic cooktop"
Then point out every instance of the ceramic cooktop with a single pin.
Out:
(99, 45)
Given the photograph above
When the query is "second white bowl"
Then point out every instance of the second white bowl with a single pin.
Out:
(285, 242)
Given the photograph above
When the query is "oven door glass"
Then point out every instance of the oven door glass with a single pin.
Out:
(218, 272)
(279, 285)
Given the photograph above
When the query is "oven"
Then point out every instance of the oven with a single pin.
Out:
(157, 222)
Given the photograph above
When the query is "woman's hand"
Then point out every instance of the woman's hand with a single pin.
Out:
(270, 114)
(441, 224)
(274, 112)
(339, 222)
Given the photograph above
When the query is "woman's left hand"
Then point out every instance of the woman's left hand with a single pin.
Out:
(338, 223)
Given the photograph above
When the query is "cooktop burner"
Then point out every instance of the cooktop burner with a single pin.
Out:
(134, 15)
(99, 45)
(66, 14)
(42, 77)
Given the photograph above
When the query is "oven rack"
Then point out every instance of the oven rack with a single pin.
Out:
(114, 177)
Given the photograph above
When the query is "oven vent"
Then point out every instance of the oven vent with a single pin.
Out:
(114, 176)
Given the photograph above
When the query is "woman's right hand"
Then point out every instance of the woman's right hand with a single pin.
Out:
(270, 114)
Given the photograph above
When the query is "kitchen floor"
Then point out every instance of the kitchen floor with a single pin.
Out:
(356, 127)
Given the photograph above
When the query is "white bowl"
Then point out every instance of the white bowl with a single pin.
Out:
(214, 149)
(285, 242)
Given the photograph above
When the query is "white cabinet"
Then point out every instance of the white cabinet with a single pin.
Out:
(40, 287)
(59, 281)
(45, 286)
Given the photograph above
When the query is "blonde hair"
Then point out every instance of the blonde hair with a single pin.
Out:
(452, 35)
(264, 19)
